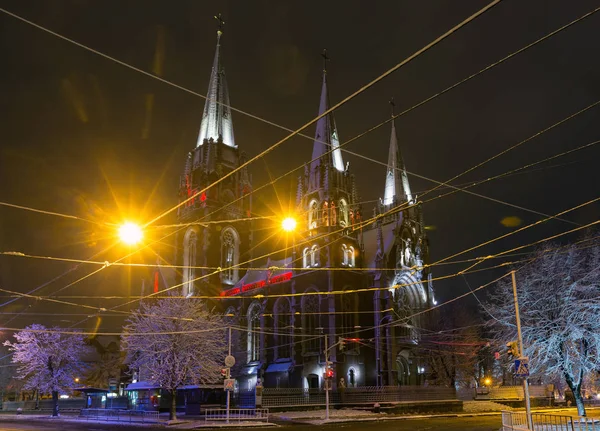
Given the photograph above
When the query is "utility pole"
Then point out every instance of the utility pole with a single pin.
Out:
(228, 373)
(521, 350)
(326, 379)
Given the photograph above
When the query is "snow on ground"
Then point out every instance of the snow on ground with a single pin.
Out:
(320, 414)
(483, 406)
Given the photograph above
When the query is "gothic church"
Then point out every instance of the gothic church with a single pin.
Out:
(349, 280)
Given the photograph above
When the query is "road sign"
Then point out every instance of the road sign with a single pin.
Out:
(522, 367)
(229, 361)
(229, 384)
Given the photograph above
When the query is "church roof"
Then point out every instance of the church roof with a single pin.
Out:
(397, 187)
(266, 273)
(216, 118)
(370, 243)
(326, 135)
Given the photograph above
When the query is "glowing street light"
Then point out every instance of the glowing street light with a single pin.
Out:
(288, 224)
(487, 381)
(130, 233)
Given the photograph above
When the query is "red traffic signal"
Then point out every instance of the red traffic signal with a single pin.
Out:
(329, 373)
(223, 372)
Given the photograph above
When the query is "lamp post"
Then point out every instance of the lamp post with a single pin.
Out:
(130, 234)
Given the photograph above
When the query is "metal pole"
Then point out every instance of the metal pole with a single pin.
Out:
(228, 374)
(326, 380)
(521, 350)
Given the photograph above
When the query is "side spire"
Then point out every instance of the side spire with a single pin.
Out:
(216, 118)
(396, 179)
(326, 135)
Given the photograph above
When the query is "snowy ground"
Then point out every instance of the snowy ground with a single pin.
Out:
(483, 406)
(320, 414)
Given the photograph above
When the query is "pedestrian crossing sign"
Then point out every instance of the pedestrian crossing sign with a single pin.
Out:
(229, 384)
(522, 367)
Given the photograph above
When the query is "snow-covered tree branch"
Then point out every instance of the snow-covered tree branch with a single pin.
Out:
(559, 301)
(174, 342)
(48, 361)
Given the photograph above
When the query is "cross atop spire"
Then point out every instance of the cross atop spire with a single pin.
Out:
(397, 188)
(216, 119)
(220, 24)
(325, 60)
(392, 106)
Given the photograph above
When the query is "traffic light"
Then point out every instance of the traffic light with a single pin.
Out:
(513, 348)
(329, 373)
(224, 373)
(342, 343)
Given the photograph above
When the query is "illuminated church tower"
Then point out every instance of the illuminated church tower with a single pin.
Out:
(218, 235)
(327, 205)
(399, 253)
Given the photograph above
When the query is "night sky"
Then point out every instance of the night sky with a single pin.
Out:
(82, 135)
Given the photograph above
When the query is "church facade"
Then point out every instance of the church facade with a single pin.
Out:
(346, 294)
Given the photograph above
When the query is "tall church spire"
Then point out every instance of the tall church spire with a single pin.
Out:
(326, 136)
(216, 119)
(396, 179)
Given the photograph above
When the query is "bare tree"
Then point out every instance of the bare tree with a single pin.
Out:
(47, 359)
(559, 300)
(454, 350)
(174, 342)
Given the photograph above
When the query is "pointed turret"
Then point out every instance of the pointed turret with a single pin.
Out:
(326, 135)
(216, 119)
(397, 188)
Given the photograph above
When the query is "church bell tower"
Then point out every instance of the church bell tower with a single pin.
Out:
(217, 234)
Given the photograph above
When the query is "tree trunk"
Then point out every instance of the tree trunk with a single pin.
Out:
(173, 411)
(576, 389)
(37, 399)
(54, 403)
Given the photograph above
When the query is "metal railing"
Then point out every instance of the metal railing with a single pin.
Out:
(120, 415)
(517, 421)
(272, 397)
(237, 415)
(512, 392)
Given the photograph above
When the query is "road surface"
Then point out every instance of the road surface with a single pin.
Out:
(481, 423)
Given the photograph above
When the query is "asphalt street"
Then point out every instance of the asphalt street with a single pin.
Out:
(481, 423)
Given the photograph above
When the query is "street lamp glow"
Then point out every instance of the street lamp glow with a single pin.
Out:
(487, 381)
(130, 233)
(288, 224)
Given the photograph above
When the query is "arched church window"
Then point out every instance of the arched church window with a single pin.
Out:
(283, 327)
(325, 216)
(306, 258)
(190, 240)
(230, 247)
(314, 255)
(253, 317)
(313, 215)
(343, 213)
(344, 254)
(349, 302)
(351, 218)
(333, 214)
(310, 323)
(351, 257)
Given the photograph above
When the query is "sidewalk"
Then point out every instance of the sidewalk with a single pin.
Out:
(317, 417)
(180, 424)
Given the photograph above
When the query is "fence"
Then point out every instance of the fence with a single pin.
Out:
(120, 415)
(238, 415)
(517, 421)
(272, 397)
(72, 404)
(511, 392)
